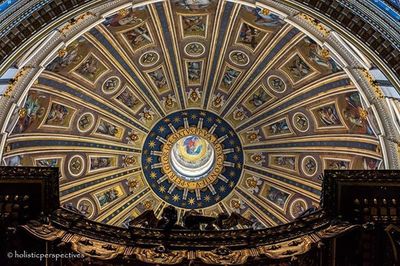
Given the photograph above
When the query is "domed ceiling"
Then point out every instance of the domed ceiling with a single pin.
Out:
(207, 105)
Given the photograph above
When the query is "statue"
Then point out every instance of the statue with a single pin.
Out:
(148, 219)
(192, 220)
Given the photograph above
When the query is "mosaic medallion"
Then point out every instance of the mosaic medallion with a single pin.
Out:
(111, 85)
(76, 165)
(194, 49)
(85, 122)
(276, 84)
(192, 159)
(300, 122)
(149, 59)
(309, 166)
(86, 207)
(239, 58)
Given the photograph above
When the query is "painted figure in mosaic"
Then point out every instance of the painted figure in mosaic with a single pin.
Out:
(328, 115)
(106, 128)
(194, 71)
(193, 24)
(276, 196)
(248, 35)
(356, 115)
(14, 161)
(298, 68)
(321, 56)
(193, 4)
(138, 36)
(127, 98)
(108, 196)
(159, 78)
(338, 165)
(284, 161)
(230, 76)
(259, 98)
(123, 18)
(32, 110)
(279, 127)
(370, 164)
(67, 57)
(265, 17)
(57, 114)
(90, 68)
(47, 163)
(99, 162)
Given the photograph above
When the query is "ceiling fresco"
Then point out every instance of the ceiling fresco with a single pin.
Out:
(234, 84)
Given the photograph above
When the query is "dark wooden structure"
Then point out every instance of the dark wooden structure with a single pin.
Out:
(358, 224)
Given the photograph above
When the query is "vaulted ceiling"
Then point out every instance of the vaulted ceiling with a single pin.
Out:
(102, 107)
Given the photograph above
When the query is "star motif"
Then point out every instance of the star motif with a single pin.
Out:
(231, 133)
(152, 144)
(162, 189)
(177, 119)
(217, 198)
(235, 157)
(222, 129)
(191, 201)
(238, 149)
(199, 204)
(167, 120)
(207, 198)
(232, 173)
(145, 151)
(218, 120)
(149, 160)
(222, 188)
(203, 114)
(193, 116)
(152, 134)
(153, 175)
(209, 119)
(161, 129)
(166, 197)
(232, 142)
(238, 165)
(176, 198)
(231, 184)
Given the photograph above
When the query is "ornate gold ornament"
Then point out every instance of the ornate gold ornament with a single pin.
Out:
(64, 30)
(318, 25)
(13, 82)
(373, 83)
